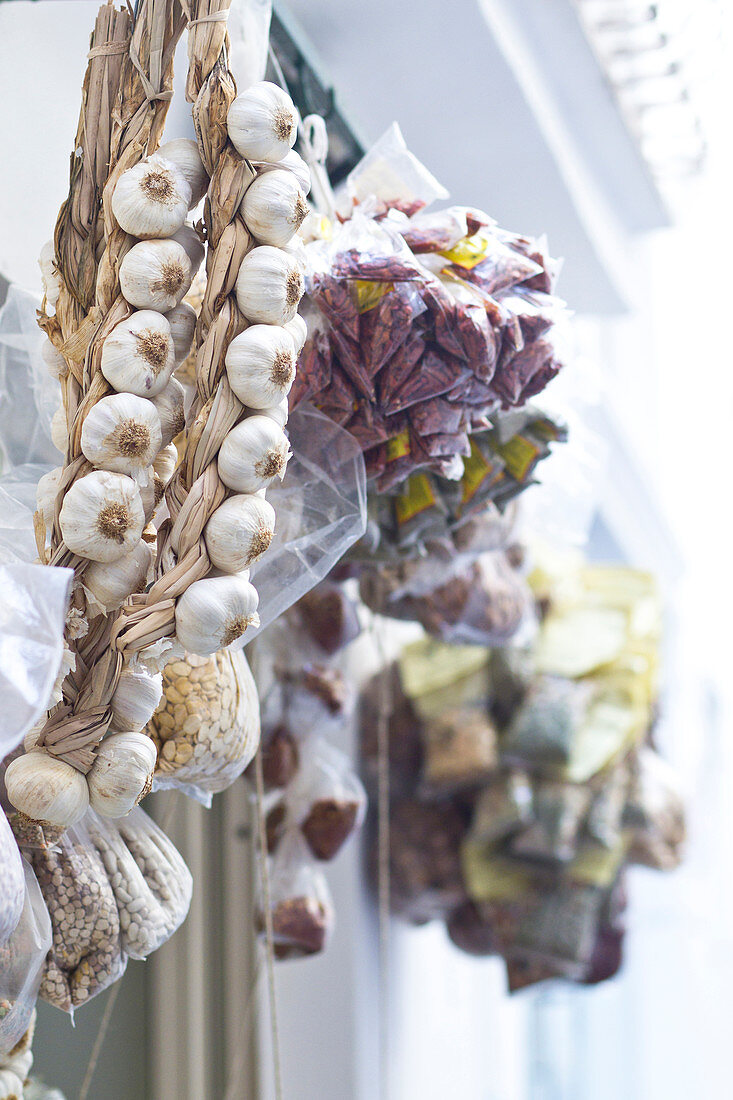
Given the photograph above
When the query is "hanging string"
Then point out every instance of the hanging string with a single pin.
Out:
(99, 1041)
(234, 1080)
(383, 870)
(269, 937)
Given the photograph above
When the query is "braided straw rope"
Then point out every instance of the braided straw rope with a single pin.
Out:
(76, 725)
(125, 97)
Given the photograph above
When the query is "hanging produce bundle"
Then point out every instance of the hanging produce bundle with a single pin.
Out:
(523, 783)
(314, 802)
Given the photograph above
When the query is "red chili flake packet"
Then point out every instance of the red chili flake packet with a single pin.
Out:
(385, 327)
(443, 313)
(436, 415)
(354, 264)
(434, 375)
(368, 427)
(473, 392)
(502, 268)
(513, 378)
(352, 363)
(539, 380)
(334, 300)
(398, 368)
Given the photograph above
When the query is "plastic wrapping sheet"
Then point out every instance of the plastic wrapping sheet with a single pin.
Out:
(21, 964)
(321, 512)
(33, 602)
(29, 396)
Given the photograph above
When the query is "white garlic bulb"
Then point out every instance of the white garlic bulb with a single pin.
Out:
(135, 699)
(215, 612)
(188, 238)
(270, 285)
(165, 462)
(262, 122)
(260, 365)
(138, 356)
(46, 492)
(182, 320)
(295, 164)
(122, 773)
(110, 583)
(156, 275)
(102, 516)
(46, 788)
(274, 207)
(54, 360)
(170, 408)
(59, 430)
(122, 433)
(278, 413)
(239, 533)
(49, 274)
(297, 329)
(253, 453)
(184, 153)
(151, 199)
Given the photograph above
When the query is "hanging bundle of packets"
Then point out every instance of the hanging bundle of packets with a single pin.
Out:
(429, 334)
(314, 800)
(524, 782)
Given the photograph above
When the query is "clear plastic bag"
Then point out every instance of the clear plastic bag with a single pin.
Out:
(391, 173)
(326, 800)
(321, 512)
(207, 726)
(12, 881)
(86, 955)
(33, 603)
(249, 36)
(300, 901)
(150, 881)
(29, 396)
(16, 1065)
(21, 964)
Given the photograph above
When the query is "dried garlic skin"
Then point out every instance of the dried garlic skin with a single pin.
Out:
(184, 154)
(274, 207)
(135, 699)
(110, 583)
(260, 365)
(138, 355)
(170, 407)
(262, 123)
(151, 199)
(239, 533)
(207, 727)
(269, 286)
(121, 774)
(47, 789)
(216, 612)
(182, 320)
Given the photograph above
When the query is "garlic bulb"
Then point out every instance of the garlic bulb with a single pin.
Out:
(215, 612)
(135, 699)
(122, 433)
(278, 413)
(46, 492)
(47, 789)
(110, 583)
(253, 453)
(165, 462)
(188, 238)
(102, 516)
(49, 274)
(274, 207)
(184, 153)
(138, 356)
(295, 164)
(182, 320)
(297, 329)
(59, 430)
(270, 285)
(156, 275)
(54, 360)
(260, 365)
(238, 533)
(262, 123)
(151, 199)
(169, 406)
(122, 773)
